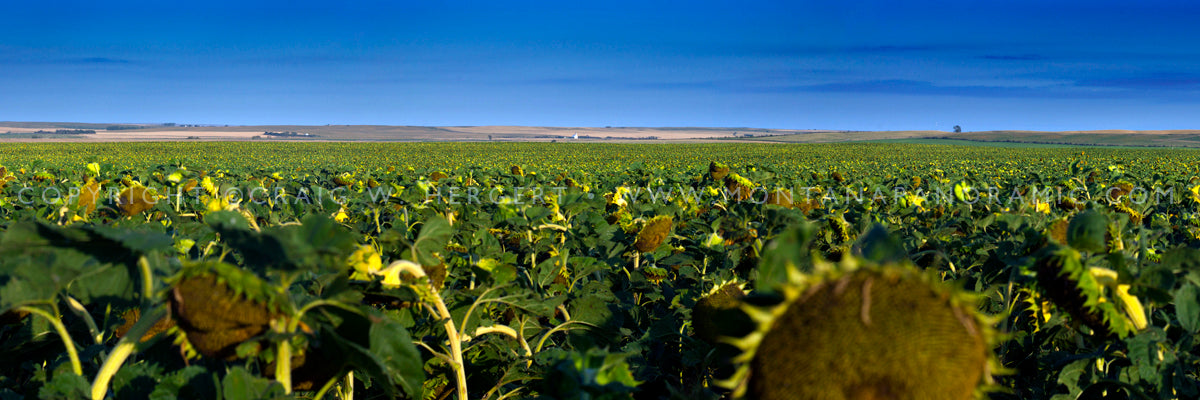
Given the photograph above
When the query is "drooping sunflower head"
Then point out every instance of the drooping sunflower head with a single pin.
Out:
(857, 330)
(653, 233)
(218, 306)
(135, 199)
(712, 309)
(717, 171)
(739, 188)
(1091, 295)
(780, 197)
(1057, 230)
(89, 193)
(837, 176)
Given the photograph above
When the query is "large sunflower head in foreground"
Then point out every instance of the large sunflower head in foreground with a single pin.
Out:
(857, 330)
(218, 306)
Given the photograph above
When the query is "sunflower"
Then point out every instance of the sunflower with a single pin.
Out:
(857, 330)
(738, 187)
(89, 193)
(717, 171)
(780, 197)
(135, 199)
(709, 311)
(653, 233)
(218, 306)
(1081, 292)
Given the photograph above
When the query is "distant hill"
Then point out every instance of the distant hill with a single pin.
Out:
(152, 132)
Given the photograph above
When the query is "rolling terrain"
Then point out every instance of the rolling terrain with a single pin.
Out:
(45, 131)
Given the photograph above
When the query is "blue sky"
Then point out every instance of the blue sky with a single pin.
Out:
(863, 65)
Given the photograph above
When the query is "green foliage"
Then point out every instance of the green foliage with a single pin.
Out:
(553, 294)
(589, 375)
(1086, 231)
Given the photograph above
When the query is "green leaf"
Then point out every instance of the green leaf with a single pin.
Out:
(226, 220)
(1086, 231)
(880, 246)
(789, 251)
(241, 384)
(192, 382)
(135, 380)
(395, 350)
(1143, 353)
(1071, 375)
(65, 386)
(106, 282)
(500, 272)
(435, 233)
(1187, 307)
(381, 351)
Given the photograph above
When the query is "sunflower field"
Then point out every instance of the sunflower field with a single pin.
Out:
(597, 271)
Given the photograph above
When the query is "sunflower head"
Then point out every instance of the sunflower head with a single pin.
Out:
(89, 193)
(858, 330)
(218, 306)
(1091, 295)
(739, 188)
(712, 309)
(653, 233)
(717, 171)
(135, 199)
(780, 197)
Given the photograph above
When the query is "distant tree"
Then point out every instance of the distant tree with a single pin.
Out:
(957, 129)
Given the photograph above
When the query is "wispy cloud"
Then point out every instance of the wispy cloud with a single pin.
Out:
(18, 58)
(1159, 81)
(913, 87)
(1013, 57)
(96, 60)
(813, 50)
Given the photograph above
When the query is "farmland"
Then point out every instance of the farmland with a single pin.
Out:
(568, 270)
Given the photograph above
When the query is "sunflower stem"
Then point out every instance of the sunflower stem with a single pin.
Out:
(460, 375)
(283, 365)
(123, 350)
(147, 280)
(76, 366)
(82, 312)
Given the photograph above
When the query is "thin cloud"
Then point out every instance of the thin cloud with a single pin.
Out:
(21, 59)
(1014, 57)
(1162, 81)
(809, 50)
(97, 60)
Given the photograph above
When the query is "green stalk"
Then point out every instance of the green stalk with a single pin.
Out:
(81, 312)
(345, 393)
(325, 388)
(283, 365)
(62, 333)
(460, 373)
(283, 357)
(147, 280)
(123, 350)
